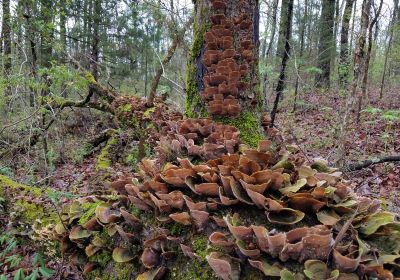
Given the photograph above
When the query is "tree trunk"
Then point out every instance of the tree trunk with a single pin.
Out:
(273, 31)
(335, 32)
(46, 55)
(367, 60)
(358, 70)
(361, 56)
(6, 37)
(344, 61)
(326, 43)
(94, 61)
(285, 57)
(353, 22)
(264, 78)
(388, 47)
(222, 78)
(283, 23)
(302, 33)
(63, 29)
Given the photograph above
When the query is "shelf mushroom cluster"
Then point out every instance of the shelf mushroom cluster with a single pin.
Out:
(228, 56)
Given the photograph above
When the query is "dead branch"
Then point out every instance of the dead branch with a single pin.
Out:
(367, 163)
(171, 50)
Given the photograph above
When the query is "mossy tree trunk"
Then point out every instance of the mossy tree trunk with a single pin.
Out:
(222, 78)
(344, 62)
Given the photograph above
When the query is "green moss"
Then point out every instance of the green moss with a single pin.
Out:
(149, 111)
(178, 229)
(102, 257)
(109, 270)
(132, 158)
(147, 218)
(28, 212)
(88, 211)
(124, 270)
(89, 77)
(200, 245)
(6, 182)
(135, 211)
(194, 105)
(125, 108)
(248, 124)
(190, 269)
(103, 161)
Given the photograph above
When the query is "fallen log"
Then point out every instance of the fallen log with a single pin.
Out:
(364, 164)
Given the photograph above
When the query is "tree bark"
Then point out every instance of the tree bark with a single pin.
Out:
(326, 43)
(367, 59)
(6, 38)
(273, 30)
(335, 32)
(363, 56)
(389, 45)
(222, 80)
(94, 60)
(358, 70)
(344, 61)
(302, 33)
(285, 57)
(63, 28)
(353, 22)
(283, 23)
(367, 163)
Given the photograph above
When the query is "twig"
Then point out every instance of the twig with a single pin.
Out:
(19, 121)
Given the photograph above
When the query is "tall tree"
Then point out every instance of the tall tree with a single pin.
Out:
(364, 83)
(285, 57)
(326, 43)
(63, 26)
(222, 75)
(283, 23)
(6, 38)
(301, 52)
(46, 32)
(354, 95)
(95, 51)
(344, 61)
(46, 56)
(391, 27)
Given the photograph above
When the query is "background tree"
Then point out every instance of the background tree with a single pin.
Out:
(326, 43)
(6, 42)
(344, 61)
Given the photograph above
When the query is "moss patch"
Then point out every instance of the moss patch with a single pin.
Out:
(200, 246)
(104, 161)
(248, 124)
(88, 211)
(28, 212)
(149, 111)
(6, 182)
(190, 269)
(110, 270)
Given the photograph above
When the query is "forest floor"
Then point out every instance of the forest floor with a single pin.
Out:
(314, 127)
